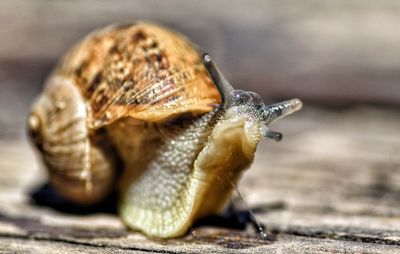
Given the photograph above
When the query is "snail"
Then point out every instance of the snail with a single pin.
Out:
(139, 109)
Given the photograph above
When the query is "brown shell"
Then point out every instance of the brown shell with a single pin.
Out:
(144, 71)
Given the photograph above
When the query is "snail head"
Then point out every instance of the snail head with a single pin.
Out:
(251, 101)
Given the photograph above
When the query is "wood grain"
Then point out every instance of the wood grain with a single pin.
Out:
(332, 185)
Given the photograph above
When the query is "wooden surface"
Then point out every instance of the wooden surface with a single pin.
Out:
(332, 185)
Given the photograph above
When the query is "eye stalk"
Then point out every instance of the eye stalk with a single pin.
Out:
(232, 97)
(222, 84)
(276, 111)
(279, 110)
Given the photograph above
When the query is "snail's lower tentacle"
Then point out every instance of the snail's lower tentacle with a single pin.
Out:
(277, 136)
(268, 133)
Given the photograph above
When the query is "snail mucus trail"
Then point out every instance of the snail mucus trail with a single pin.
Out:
(181, 132)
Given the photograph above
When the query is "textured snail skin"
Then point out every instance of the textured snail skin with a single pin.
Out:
(192, 176)
(133, 108)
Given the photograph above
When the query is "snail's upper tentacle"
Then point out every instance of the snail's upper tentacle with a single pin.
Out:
(224, 87)
(276, 111)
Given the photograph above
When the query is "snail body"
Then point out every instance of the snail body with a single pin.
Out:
(137, 108)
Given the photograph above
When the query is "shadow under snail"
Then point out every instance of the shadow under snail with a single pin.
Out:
(139, 109)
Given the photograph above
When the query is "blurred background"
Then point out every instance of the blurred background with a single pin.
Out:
(331, 53)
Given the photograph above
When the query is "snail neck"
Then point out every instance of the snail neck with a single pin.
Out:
(229, 151)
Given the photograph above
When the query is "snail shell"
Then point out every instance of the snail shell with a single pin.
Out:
(136, 108)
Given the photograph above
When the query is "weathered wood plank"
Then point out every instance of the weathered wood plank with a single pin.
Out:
(286, 244)
(332, 185)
